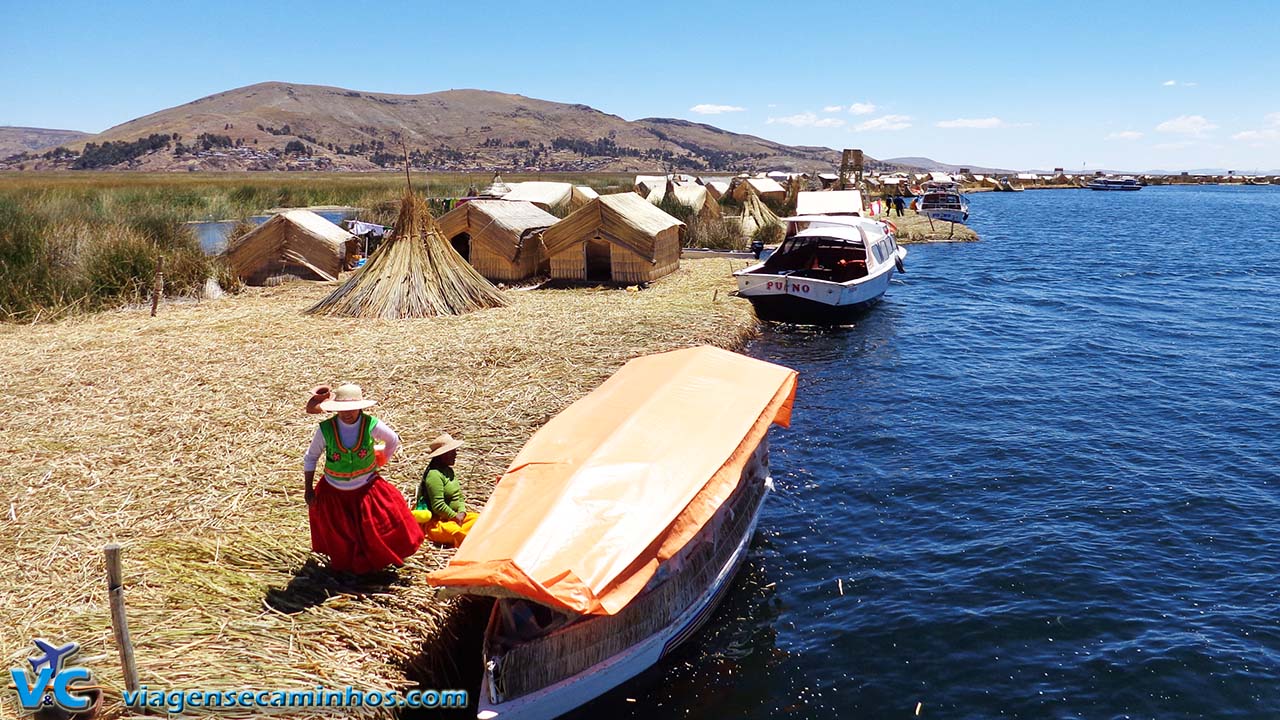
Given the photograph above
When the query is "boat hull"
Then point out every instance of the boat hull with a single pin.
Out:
(576, 690)
(947, 214)
(803, 301)
(799, 311)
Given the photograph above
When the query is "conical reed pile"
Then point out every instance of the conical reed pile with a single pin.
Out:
(416, 273)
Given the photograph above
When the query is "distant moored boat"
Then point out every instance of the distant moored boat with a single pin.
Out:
(1105, 183)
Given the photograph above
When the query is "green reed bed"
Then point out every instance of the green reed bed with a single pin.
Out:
(82, 241)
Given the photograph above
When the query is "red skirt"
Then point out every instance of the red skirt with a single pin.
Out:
(365, 529)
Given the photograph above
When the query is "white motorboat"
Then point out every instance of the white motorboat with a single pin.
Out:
(944, 201)
(1108, 183)
(826, 272)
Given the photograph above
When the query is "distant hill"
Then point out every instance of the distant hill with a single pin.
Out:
(278, 126)
(24, 139)
(927, 164)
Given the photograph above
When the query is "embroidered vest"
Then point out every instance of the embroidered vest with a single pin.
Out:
(344, 463)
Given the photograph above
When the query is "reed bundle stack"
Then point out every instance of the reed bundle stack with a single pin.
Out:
(756, 216)
(415, 273)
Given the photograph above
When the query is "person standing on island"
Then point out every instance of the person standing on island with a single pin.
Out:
(441, 506)
(357, 518)
(899, 203)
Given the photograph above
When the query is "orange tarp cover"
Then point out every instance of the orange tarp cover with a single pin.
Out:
(621, 480)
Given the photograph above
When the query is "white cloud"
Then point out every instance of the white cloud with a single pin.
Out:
(885, 122)
(981, 123)
(862, 109)
(1169, 83)
(708, 109)
(1273, 118)
(1125, 135)
(832, 108)
(1187, 125)
(1175, 83)
(805, 119)
(1265, 135)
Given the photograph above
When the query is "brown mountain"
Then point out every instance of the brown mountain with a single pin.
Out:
(15, 140)
(278, 125)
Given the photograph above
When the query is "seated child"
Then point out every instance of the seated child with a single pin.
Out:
(440, 506)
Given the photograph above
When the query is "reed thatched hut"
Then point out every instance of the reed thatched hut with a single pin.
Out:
(295, 242)
(618, 238)
(500, 238)
(581, 196)
(696, 197)
(764, 188)
(717, 188)
(415, 273)
(645, 184)
(546, 195)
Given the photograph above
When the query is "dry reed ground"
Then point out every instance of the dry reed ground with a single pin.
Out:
(181, 437)
(916, 228)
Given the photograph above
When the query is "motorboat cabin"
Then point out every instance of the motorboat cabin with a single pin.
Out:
(826, 271)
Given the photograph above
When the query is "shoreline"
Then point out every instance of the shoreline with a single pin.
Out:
(181, 437)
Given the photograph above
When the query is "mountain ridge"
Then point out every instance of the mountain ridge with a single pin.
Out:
(290, 126)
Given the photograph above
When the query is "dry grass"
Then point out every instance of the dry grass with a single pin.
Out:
(181, 437)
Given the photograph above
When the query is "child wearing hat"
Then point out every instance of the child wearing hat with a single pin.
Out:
(441, 507)
(357, 518)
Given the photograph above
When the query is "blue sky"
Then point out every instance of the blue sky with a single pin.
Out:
(1134, 85)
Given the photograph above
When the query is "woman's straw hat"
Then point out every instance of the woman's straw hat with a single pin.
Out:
(443, 444)
(347, 397)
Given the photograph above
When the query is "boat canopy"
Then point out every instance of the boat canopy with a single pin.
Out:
(621, 480)
(829, 202)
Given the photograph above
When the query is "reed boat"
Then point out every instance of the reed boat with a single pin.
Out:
(619, 527)
(827, 271)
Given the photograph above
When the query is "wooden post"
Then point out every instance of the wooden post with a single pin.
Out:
(119, 623)
(158, 288)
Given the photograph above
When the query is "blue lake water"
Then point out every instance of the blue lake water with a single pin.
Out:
(1045, 472)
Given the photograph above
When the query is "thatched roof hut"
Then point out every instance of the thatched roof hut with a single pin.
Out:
(546, 195)
(500, 238)
(646, 184)
(717, 188)
(697, 197)
(295, 242)
(619, 238)
(581, 196)
(765, 188)
(414, 273)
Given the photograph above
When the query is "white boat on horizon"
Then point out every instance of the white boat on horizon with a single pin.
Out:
(605, 555)
(827, 271)
(1108, 183)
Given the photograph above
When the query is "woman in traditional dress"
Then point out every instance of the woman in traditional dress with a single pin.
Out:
(357, 518)
(441, 506)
